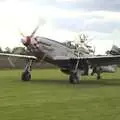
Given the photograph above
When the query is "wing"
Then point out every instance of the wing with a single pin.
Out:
(19, 56)
(93, 60)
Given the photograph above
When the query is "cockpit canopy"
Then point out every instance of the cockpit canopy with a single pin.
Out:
(69, 44)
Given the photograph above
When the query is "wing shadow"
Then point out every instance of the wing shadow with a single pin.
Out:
(46, 81)
(103, 82)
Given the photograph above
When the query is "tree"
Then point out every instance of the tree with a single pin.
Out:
(1, 50)
(19, 50)
(7, 50)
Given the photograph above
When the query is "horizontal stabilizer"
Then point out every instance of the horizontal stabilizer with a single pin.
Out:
(115, 50)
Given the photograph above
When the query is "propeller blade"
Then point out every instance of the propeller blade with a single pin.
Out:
(41, 21)
(89, 40)
(83, 37)
(34, 31)
(21, 32)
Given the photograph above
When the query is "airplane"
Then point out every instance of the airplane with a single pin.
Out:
(69, 60)
(109, 68)
(87, 49)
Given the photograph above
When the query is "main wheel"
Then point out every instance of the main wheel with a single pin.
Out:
(74, 79)
(98, 77)
(26, 76)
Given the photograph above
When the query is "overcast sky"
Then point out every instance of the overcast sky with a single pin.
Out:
(63, 20)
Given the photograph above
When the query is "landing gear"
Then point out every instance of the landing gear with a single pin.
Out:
(97, 70)
(26, 75)
(74, 78)
(98, 77)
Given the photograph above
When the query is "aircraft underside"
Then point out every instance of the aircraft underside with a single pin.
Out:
(75, 71)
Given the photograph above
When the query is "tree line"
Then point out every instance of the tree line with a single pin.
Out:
(15, 50)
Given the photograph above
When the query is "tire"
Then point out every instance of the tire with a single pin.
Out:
(26, 76)
(98, 77)
(74, 79)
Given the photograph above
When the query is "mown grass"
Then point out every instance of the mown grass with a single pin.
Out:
(49, 96)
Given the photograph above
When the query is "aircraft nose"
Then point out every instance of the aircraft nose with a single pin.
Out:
(26, 41)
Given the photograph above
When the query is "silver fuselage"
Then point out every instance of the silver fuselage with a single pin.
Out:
(50, 48)
(41, 46)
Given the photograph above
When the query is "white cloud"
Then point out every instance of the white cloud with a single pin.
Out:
(25, 15)
(68, 1)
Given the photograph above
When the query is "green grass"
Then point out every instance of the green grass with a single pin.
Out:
(49, 96)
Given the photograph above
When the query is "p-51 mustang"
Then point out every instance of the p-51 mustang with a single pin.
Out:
(69, 59)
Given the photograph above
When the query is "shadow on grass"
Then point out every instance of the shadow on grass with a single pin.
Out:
(45, 81)
(103, 82)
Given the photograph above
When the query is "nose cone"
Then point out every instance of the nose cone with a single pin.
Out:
(26, 41)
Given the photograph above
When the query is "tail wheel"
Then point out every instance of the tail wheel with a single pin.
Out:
(26, 76)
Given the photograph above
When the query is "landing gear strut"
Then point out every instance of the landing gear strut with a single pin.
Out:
(26, 75)
(97, 70)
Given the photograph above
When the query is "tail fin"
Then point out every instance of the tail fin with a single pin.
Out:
(115, 50)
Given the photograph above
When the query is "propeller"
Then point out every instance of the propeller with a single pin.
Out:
(83, 38)
(27, 39)
(21, 32)
(34, 31)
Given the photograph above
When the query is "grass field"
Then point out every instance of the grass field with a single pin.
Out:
(49, 96)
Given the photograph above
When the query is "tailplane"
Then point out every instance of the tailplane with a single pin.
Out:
(115, 50)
